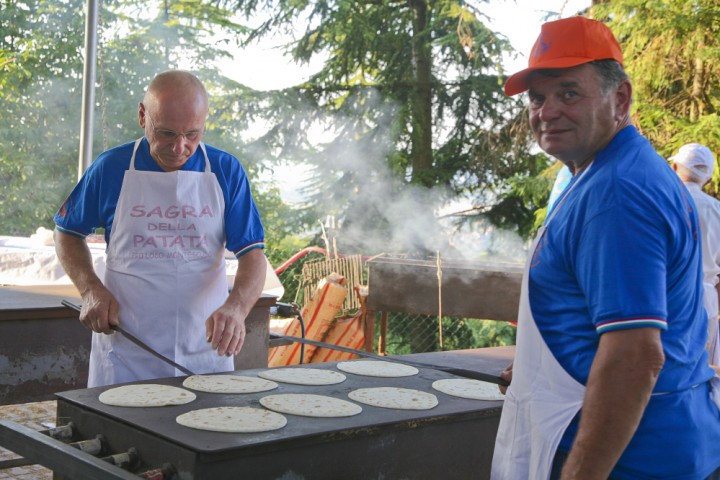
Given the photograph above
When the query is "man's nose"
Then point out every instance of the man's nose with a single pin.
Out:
(549, 110)
(179, 144)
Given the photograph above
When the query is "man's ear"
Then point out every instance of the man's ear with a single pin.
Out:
(141, 114)
(623, 100)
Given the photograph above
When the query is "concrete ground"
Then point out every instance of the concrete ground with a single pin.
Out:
(31, 415)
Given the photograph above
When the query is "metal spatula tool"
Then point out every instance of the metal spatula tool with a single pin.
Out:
(135, 340)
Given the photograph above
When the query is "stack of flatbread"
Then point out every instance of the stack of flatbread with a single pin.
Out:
(468, 388)
(233, 420)
(228, 384)
(303, 376)
(146, 395)
(308, 405)
(395, 397)
(377, 368)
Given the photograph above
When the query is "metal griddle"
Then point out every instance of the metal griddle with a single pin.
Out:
(452, 440)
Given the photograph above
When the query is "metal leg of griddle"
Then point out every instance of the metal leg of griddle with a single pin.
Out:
(382, 344)
(15, 462)
(57, 456)
(369, 331)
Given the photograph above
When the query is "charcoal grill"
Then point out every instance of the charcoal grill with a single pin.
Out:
(453, 440)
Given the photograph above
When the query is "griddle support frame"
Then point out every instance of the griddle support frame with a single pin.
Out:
(57, 456)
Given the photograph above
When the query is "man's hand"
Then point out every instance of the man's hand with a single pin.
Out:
(225, 328)
(99, 310)
(506, 374)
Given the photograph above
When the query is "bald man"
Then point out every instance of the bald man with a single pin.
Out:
(169, 206)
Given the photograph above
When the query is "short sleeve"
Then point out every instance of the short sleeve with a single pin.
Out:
(621, 267)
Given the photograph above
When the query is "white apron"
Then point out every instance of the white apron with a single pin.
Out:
(710, 300)
(542, 398)
(713, 345)
(165, 267)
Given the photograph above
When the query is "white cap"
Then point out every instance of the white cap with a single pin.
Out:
(696, 158)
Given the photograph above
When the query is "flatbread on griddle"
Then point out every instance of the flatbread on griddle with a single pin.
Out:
(395, 397)
(377, 368)
(309, 405)
(146, 395)
(228, 384)
(303, 376)
(468, 388)
(232, 420)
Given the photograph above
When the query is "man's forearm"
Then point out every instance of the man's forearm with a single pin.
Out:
(249, 280)
(621, 381)
(76, 259)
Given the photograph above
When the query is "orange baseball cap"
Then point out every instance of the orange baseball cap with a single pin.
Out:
(567, 43)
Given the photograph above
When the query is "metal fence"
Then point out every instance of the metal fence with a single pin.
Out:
(406, 333)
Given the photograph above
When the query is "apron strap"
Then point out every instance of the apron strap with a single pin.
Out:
(132, 158)
(208, 169)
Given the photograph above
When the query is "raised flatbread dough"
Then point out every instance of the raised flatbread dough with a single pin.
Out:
(228, 384)
(468, 388)
(303, 376)
(232, 420)
(394, 397)
(146, 395)
(377, 368)
(308, 405)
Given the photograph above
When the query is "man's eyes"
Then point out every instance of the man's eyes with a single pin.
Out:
(536, 99)
(170, 135)
(564, 96)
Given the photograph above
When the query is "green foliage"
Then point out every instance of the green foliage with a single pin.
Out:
(409, 333)
(491, 333)
(41, 57)
(672, 54)
(39, 102)
(388, 79)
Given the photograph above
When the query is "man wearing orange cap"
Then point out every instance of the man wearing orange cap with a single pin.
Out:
(610, 378)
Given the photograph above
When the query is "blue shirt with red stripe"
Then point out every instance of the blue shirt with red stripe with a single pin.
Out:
(621, 252)
(91, 204)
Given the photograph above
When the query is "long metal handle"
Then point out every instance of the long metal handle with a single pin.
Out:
(460, 372)
(148, 349)
(135, 340)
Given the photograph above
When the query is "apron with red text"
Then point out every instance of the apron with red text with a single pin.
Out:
(166, 268)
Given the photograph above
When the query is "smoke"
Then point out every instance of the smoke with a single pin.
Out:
(370, 209)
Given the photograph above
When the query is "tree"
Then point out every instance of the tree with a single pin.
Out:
(41, 60)
(409, 96)
(672, 54)
(39, 81)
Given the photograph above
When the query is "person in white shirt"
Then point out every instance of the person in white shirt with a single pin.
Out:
(694, 164)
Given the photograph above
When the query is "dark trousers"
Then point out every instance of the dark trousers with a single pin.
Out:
(561, 456)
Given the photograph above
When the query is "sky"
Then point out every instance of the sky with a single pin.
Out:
(263, 66)
(519, 20)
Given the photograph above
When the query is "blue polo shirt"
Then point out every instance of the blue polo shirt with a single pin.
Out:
(623, 251)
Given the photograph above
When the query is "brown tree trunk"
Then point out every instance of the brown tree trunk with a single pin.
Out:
(421, 100)
(696, 92)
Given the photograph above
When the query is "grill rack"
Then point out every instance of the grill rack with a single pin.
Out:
(81, 459)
